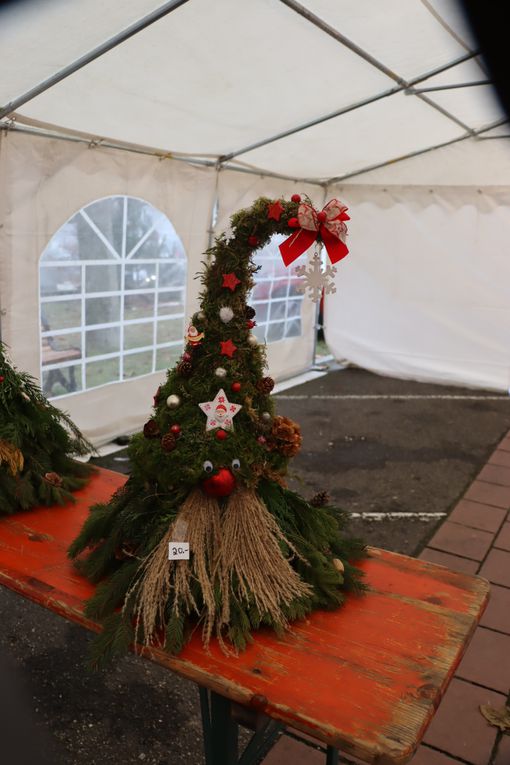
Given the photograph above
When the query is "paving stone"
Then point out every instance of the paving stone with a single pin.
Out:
(489, 494)
(495, 474)
(487, 660)
(427, 756)
(458, 728)
(505, 443)
(288, 750)
(462, 540)
(500, 457)
(503, 751)
(477, 515)
(497, 613)
(465, 565)
(497, 567)
(503, 539)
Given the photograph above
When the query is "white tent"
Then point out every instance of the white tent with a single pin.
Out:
(193, 109)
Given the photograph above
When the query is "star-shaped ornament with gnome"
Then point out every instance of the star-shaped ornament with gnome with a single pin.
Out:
(209, 470)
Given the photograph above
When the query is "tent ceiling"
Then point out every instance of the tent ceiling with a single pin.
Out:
(211, 79)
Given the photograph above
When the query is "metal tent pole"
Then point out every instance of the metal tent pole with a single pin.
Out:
(108, 45)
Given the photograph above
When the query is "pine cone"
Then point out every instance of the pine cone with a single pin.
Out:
(320, 499)
(284, 437)
(151, 429)
(54, 479)
(184, 368)
(168, 442)
(265, 385)
(250, 312)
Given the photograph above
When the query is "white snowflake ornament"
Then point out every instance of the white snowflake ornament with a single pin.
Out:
(315, 280)
(220, 412)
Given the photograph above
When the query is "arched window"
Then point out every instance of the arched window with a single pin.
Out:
(275, 296)
(112, 296)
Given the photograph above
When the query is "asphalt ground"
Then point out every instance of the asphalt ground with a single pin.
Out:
(381, 447)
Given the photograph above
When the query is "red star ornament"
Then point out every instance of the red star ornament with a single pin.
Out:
(228, 348)
(231, 281)
(274, 211)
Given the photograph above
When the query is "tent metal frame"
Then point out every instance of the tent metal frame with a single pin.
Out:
(223, 161)
(93, 54)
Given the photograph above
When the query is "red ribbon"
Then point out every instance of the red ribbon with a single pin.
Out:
(328, 224)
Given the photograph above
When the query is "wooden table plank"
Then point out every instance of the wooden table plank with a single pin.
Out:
(366, 678)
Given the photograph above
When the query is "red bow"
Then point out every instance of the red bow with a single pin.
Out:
(328, 224)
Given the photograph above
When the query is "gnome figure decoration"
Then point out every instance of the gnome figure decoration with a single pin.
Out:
(37, 444)
(205, 531)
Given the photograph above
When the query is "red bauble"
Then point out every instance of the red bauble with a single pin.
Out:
(322, 216)
(221, 434)
(250, 324)
(2, 378)
(296, 198)
(293, 223)
(186, 356)
(236, 387)
(220, 485)
(253, 241)
(175, 429)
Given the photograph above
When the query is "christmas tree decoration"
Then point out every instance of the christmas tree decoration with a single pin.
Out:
(275, 210)
(219, 412)
(315, 280)
(168, 442)
(185, 368)
(253, 340)
(230, 281)
(226, 314)
(151, 429)
(253, 241)
(260, 554)
(228, 348)
(193, 337)
(175, 429)
(37, 444)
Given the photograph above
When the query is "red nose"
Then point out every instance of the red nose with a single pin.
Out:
(219, 485)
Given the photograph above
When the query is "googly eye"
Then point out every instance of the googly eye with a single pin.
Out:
(208, 466)
(236, 464)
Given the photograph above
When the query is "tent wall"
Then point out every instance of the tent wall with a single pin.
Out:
(46, 181)
(425, 292)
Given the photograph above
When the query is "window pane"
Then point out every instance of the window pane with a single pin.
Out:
(163, 242)
(138, 306)
(140, 276)
(60, 281)
(108, 215)
(102, 310)
(294, 308)
(89, 244)
(102, 341)
(261, 312)
(139, 221)
(261, 291)
(63, 245)
(138, 335)
(101, 372)
(172, 274)
(277, 310)
(102, 278)
(60, 348)
(275, 331)
(260, 332)
(166, 357)
(171, 302)
(172, 329)
(136, 364)
(63, 314)
(59, 382)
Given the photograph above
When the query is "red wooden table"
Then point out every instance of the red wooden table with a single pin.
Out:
(365, 679)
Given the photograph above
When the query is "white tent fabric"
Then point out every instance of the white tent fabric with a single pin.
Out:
(217, 103)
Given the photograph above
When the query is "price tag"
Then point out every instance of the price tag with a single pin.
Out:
(178, 551)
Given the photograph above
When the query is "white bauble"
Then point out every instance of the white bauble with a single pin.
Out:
(220, 372)
(173, 401)
(226, 314)
(253, 340)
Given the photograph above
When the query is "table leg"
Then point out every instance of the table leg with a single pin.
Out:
(331, 756)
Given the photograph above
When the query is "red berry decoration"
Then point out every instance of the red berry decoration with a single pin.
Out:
(322, 216)
(186, 356)
(175, 429)
(296, 198)
(250, 324)
(220, 485)
(293, 223)
(2, 378)
(253, 241)
(221, 434)
(236, 387)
